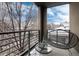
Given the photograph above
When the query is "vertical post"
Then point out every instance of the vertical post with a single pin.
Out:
(43, 46)
(29, 42)
(57, 36)
(9, 47)
(43, 23)
(69, 37)
(39, 36)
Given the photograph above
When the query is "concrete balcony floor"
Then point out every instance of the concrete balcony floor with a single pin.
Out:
(56, 52)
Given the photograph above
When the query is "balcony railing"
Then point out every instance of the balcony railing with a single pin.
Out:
(12, 45)
(64, 39)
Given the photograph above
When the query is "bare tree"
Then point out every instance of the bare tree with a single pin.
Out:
(27, 22)
(11, 18)
(14, 17)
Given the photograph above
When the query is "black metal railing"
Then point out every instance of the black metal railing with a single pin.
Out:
(62, 38)
(11, 46)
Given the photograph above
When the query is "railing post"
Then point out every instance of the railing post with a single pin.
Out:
(57, 36)
(69, 37)
(29, 42)
(39, 36)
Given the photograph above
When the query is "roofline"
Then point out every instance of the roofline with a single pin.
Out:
(50, 4)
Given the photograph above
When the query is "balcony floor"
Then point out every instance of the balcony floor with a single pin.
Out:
(56, 52)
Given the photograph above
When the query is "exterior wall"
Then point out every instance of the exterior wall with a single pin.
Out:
(74, 20)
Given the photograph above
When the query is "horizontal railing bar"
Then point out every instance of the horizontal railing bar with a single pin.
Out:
(9, 43)
(10, 52)
(11, 47)
(27, 49)
(10, 38)
(13, 37)
(16, 32)
(15, 50)
(26, 46)
(59, 30)
(34, 36)
(15, 41)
